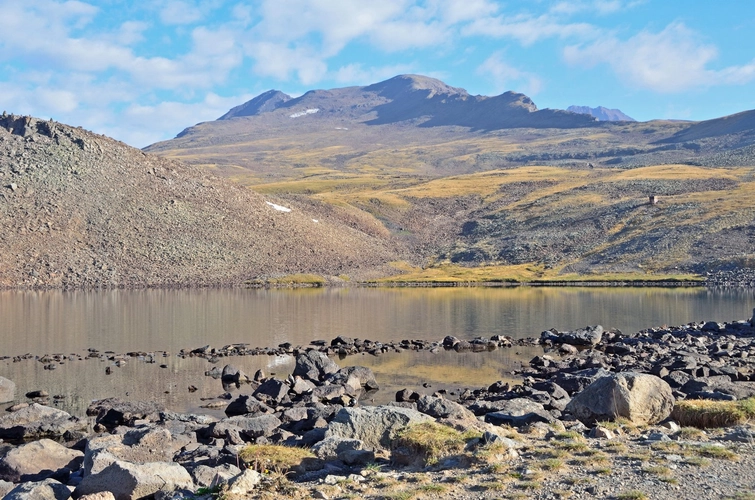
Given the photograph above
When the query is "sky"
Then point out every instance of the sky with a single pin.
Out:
(142, 71)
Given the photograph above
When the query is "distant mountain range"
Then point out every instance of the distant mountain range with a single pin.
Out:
(601, 113)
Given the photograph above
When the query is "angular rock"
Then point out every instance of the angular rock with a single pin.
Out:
(355, 377)
(207, 477)
(37, 421)
(102, 495)
(442, 408)
(48, 489)
(328, 392)
(406, 396)
(330, 447)
(128, 481)
(519, 412)
(244, 483)
(376, 426)
(301, 386)
(314, 365)
(642, 398)
(39, 460)
(587, 336)
(7, 390)
(246, 405)
(253, 427)
(272, 391)
(112, 412)
(577, 381)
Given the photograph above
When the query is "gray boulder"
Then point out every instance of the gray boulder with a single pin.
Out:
(246, 405)
(375, 426)
(519, 412)
(314, 365)
(577, 381)
(642, 398)
(38, 460)
(244, 484)
(587, 336)
(272, 391)
(112, 412)
(37, 421)
(252, 427)
(442, 408)
(355, 377)
(129, 481)
(48, 489)
(137, 446)
(7, 390)
(330, 447)
(207, 477)
(5, 487)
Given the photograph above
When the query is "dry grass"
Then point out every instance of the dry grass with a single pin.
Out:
(275, 458)
(705, 414)
(434, 441)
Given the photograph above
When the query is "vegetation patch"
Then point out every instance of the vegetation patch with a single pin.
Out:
(434, 441)
(703, 413)
(273, 458)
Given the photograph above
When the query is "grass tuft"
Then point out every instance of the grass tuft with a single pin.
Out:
(704, 413)
(275, 458)
(434, 441)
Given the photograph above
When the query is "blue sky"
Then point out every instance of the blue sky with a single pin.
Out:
(143, 71)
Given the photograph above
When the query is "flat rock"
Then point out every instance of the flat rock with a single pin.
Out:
(375, 426)
(48, 489)
(128, 481)
(37, 421)
(112, 412)
(38, 460)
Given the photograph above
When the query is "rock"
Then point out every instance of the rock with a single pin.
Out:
(37, 394)
(112, 412)
(5, 488)
(7, 390)
(232, 374)
(740, 434)
(301, 386)
(246, 405)
(272, 391)
(406, 396)
(577, 381)
(357, 457)
(102, 495)
(207, 477)
(314, 365)
(244, 483)
(355, 377)
(39, 460)
(330, 447)
(48, 489)
(341, 340)
(376, 426)
(328, 392)
(442, 408)
(143, 445)
(37, 421)
(641, 398)
(601, 433)
(587, 336)
(253, 427)
(519, 412)
(131, 481)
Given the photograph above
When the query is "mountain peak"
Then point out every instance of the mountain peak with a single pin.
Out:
(601, 113)
(403, 84)
(267, 101)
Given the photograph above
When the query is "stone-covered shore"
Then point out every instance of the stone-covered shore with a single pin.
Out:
(594, 397)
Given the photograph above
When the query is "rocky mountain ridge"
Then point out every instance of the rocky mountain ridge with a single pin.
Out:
(602, 114)
(82, 210)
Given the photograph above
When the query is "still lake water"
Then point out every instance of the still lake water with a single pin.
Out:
(47, 322)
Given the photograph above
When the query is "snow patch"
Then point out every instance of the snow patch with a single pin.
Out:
(309, 111)
(315, 220)
(341, 128)
(278, 207)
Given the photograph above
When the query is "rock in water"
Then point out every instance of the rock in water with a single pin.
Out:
(315, 366)
(7, 390)
(639, 397)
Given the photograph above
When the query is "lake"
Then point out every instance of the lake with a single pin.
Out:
(48, 322)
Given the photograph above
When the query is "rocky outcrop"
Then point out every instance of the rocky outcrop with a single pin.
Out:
(39, 460)
(36, 421)
(640, 398)
(130, 481)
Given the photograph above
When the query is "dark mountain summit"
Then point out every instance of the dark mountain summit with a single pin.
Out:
(601, 113)
(267, 101)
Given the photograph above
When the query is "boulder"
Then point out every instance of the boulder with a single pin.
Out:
(112, 412)
(577, 381)
(39, 460)
(245, 483)
(48, 489)
(129, 481)
(642, 398)
(252, 427)
(300, 386)
(519, 412)
(587, 336)
(7, 390)
(37, 421)
(5, 487)
(102, 495)
(442, 408)
(375, 426)
(232, 374)
(272, 391)
(207, 477)
(137, 446)
(314, 365)
(355, 377)
(330, 447)
(246, 405)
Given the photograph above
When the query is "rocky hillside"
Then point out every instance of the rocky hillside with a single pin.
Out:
(601, 113)
(79, 209)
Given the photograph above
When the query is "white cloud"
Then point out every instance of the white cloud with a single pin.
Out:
(179, 12)
(673, 60)
(528, 29)
(506, 77)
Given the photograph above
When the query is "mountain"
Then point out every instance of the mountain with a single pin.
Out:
(267, 101)
(82, 210)
(601, 113)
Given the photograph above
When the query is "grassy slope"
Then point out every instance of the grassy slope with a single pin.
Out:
(532, 222)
